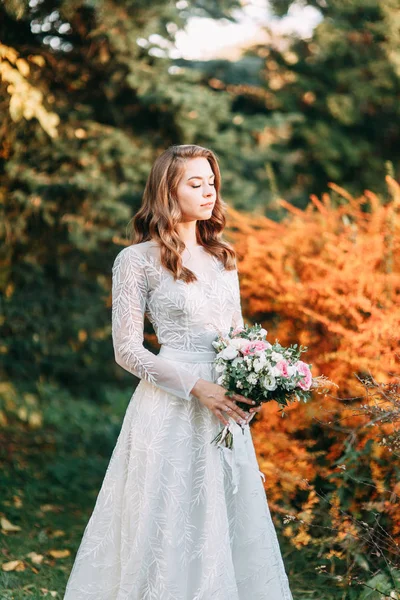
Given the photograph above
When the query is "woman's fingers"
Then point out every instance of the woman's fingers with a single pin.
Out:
(243, 399)
(220, 416)
(233, 408)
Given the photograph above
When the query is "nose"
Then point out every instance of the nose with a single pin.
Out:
(208, 191)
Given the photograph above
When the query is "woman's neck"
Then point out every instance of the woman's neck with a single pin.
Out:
(188, 234)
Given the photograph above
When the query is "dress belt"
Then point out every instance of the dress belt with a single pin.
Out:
(206, 356)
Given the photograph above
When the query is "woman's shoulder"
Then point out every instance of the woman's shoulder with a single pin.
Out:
(140, 248)
(137, 253)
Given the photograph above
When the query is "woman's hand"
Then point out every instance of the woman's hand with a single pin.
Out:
(255, 409)
(214, 397)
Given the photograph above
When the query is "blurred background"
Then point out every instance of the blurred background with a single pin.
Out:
(300, 100)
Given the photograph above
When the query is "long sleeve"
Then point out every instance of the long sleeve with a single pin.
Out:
(237, 317)
(129, 293)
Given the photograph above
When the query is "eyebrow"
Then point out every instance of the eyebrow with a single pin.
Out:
(199, 177)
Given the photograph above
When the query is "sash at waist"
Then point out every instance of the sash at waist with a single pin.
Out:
(187, 355)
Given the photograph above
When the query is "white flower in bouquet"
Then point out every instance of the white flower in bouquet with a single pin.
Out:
(239, 384)
(228, 353)
(258, 365)
(262, 357)
(238, 343)
(220, 343)
(237, 361)
(268, 382)
(277, 356)
(252, 378)
(275, 371)
(292, 370)
(220, 367)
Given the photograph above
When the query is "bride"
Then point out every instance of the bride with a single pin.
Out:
(168, 523)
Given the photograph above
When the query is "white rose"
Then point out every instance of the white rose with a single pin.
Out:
(257, 365)
(228, 353)
(269, 382)
(238, 343)
(275, 371)
(277, 356)
(262, 358)
(292, 370)
(263, 331)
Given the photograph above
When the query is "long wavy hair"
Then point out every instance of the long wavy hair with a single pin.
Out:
(160, 212)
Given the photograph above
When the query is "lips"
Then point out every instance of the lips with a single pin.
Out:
(208, 204)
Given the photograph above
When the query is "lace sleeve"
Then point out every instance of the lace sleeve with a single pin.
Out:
(237, 317)
(129, 293)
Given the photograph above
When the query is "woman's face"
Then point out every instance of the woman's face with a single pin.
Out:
(196, 192)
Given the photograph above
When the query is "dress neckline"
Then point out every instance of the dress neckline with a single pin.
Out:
(188, 248)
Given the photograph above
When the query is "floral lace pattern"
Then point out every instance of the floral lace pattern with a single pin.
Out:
(166, 525)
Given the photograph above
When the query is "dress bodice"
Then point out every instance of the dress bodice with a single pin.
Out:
(185, 316)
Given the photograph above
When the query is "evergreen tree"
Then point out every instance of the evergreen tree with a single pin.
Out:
(342, 85)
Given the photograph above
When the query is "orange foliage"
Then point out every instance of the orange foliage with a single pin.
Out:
(327, 277)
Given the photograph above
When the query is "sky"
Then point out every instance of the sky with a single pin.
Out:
(208, 38)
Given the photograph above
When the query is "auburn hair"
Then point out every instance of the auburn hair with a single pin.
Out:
(160, 212)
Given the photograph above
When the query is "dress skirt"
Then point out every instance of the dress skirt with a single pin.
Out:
(166, 524)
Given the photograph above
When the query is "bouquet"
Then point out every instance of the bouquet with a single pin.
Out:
(248, 364)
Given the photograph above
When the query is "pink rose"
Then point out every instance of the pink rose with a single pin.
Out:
(253, 347)
(282, 365)
(304, 370)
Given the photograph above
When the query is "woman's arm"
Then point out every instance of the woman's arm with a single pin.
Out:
(129, 293)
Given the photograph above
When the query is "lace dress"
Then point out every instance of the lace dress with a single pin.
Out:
(167, 524)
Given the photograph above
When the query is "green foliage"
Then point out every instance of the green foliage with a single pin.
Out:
(343, 82)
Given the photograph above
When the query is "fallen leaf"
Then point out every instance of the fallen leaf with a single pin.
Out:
(13, 565)
(17, 501)
(46, 591)
(7, 526)
(35, 558)
(58, 533)
(50, 508)
(59, 553)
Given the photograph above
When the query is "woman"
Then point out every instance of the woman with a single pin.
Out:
(167, 524)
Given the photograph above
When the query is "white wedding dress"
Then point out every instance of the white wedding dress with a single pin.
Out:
(167, 524)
